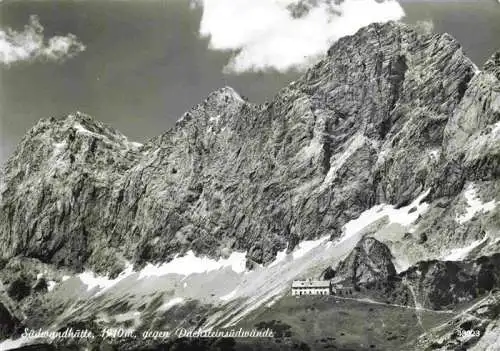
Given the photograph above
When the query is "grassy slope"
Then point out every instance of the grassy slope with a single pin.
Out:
(326, 322)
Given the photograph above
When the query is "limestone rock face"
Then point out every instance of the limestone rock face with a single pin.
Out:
(389, 115)
(370, 262)
(493, 64)
(443, 284)
(389, 112)
(8, 323)
(56, 186)
(472, 134)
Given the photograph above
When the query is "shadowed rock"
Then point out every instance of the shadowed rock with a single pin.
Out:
(370, 262)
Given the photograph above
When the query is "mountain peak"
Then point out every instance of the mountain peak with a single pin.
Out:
(218, 102)
(368, 263)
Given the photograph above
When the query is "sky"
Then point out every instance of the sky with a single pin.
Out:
(138, 65)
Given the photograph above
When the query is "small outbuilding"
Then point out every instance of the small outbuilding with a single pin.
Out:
(341, 289)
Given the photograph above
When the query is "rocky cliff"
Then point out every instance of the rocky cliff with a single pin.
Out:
(369, 263)
(442, 285)
(389, 114)
(383, 117)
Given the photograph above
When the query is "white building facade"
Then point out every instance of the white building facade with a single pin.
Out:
(311, 287)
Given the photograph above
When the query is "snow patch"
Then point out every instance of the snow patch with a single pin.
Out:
(229, 296)
(307, 245)
(404, 216)
(190, 264)
(475, 205)
(125, 142)
(459, 254)
(303, 248)
(171, 303)
(280, 257)
(51, 285)
(128, 316)
(401, 264)
(14, 344)
(496, 127)
(186, 265)
(135, 145)
(103, 283)
(435, 154)
(83, 130)
(215, 119)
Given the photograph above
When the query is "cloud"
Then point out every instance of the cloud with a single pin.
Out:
(30, 45)
(285, 34)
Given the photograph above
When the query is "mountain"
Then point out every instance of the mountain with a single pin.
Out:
(382, 161)
(369, 263)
